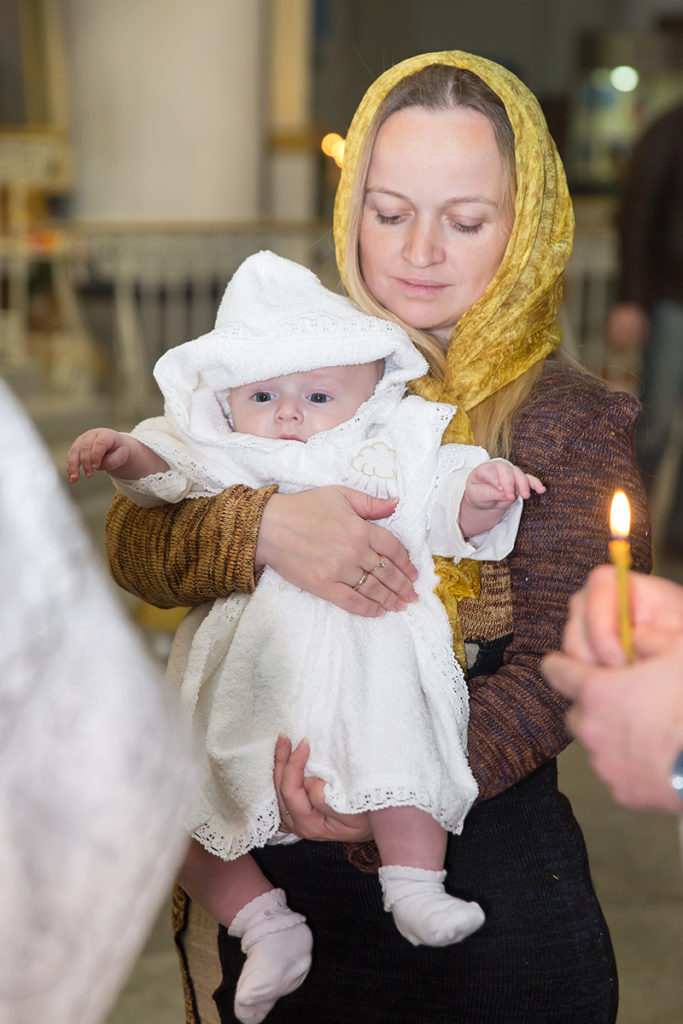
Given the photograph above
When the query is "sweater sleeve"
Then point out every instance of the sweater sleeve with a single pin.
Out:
(185, 554)
(579, 439)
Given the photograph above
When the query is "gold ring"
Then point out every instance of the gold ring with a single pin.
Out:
(380, 565)
(361, 581)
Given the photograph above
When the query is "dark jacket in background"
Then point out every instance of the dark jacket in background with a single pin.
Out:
(651, 215)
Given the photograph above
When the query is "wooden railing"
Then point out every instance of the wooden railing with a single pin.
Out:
(168, 281)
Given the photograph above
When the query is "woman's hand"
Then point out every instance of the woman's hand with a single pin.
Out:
(321, 541)
(303, 810)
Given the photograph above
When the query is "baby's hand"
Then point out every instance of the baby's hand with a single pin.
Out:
(497, 484)
(490, 490)
(100, 448)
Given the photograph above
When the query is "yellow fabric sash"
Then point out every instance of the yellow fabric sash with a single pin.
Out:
(514, 323)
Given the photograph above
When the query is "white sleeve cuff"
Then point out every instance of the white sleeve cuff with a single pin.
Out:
(157, 489)
(445, 537)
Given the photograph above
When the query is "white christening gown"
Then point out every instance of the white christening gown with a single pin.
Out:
(382, 701)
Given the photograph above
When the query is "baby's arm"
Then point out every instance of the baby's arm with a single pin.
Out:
(117, 454)
(490, 490)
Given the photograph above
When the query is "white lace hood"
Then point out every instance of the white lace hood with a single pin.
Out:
(276, 318)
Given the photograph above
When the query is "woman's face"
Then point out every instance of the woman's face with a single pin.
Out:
(434, 226)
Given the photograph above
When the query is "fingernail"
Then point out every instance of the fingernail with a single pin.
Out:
(399, 606)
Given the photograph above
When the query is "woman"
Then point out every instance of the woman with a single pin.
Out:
(453, 218)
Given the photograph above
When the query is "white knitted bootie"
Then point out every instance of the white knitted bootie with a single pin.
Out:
(423, 911)
(277, 943)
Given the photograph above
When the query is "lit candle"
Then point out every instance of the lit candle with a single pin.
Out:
(620, 557)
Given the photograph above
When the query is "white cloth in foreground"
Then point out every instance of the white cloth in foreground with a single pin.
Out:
(383, 702)
(95, 758)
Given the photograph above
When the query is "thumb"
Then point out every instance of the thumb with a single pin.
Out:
(650, 642)
(367, 507)
(315, 790)
(564, 673)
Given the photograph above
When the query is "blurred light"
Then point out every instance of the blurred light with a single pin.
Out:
(333, 145)
(624, 78)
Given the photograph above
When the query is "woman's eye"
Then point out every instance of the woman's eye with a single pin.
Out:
(466, 229)
(385, 218)
(318, 397)
(261, 396)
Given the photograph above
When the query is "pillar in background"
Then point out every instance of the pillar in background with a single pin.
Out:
(167, 109)
(293, 151)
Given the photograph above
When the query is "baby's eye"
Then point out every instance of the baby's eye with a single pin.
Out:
(261, 396)
(319, 397)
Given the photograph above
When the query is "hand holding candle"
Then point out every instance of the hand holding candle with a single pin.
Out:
(620, 557)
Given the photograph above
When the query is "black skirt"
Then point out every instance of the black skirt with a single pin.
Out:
(543, 956)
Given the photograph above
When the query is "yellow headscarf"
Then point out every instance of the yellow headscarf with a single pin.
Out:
(514, 323)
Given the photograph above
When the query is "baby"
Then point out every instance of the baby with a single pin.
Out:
(296, 386)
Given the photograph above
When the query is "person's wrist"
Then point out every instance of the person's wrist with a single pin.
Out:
(263, 552)
(676, 778)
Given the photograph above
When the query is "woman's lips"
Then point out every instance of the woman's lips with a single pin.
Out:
(421, 287)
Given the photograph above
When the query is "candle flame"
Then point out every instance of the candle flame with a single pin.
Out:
(620, 516)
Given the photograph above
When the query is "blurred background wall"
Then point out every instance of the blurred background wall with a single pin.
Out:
(214, 110)
(147, 146)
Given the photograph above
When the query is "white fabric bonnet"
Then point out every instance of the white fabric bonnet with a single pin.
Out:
(275, 318)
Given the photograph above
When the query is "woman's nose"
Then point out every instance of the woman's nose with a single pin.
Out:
(424, 245)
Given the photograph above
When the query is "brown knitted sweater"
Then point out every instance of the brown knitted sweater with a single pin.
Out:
(578, 438)
(572, 433)
(185, 554)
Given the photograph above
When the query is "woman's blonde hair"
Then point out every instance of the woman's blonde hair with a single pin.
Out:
(442, 87)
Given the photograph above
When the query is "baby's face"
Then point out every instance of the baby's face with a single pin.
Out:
(298, 405)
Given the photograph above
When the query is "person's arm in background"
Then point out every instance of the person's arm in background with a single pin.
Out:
(640, 213)
(579, 440)
(629, 717)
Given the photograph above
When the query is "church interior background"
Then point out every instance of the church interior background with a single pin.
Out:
(148, 146)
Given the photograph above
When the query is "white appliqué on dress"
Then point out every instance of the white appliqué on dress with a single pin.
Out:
(374, 468)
